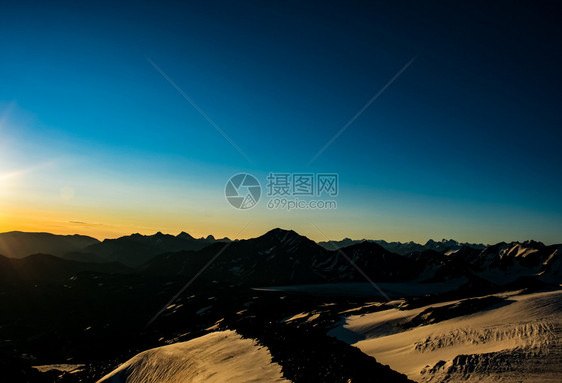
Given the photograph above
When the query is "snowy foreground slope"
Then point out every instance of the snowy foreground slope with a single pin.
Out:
(516, 339)
(222, 356)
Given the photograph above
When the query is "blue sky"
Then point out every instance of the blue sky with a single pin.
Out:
(464, 144)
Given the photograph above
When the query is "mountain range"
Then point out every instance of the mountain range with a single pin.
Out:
(283, 257)
(132, 250)
(309, 307)
(136, 249)
(17, 244)
(404, 248)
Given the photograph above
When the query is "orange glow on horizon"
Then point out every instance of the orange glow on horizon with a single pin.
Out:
(109, 226)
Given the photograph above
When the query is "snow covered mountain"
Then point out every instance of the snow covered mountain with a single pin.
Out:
(222, 356)
(505, 337)
(503, 263)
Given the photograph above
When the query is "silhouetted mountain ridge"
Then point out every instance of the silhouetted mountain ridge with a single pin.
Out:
(136, 249)
(404, 248)
(18, 244)
(283, 257)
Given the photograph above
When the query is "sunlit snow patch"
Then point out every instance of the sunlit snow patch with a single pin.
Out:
(222, 356)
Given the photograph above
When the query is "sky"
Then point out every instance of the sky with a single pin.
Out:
(131, 117)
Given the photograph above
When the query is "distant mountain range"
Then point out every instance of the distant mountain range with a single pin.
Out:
(404, 248)
(132, 250)
(17, 244)
(136, 249)
(283, 257)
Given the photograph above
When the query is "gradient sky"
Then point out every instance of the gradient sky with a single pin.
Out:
(465, 144)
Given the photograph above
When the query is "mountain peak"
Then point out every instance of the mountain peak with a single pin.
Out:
(284, 237)
(533, 244)
(184, 235)
(444, 241)
(278, 230)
